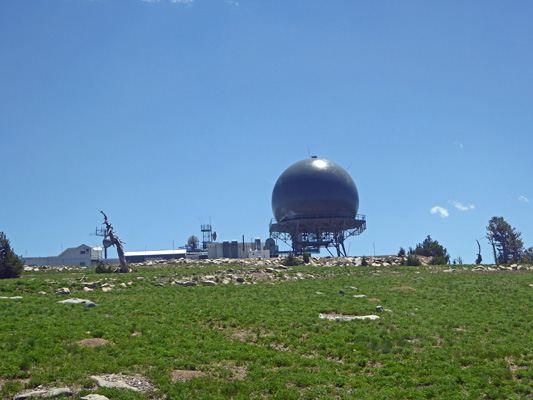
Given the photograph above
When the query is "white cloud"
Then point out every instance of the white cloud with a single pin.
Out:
(441, 211)
(232, 3)
(461, 207)
(459, 145)
(524, 199)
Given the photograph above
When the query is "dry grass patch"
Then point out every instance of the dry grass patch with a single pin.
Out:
(183, 375)
(373, 300)
(403, 288)
(93, 342)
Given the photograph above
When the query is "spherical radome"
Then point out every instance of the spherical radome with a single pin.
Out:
(314, 187)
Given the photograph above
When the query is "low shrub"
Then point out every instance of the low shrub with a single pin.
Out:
(438, 260)
(101, 268)
(413, 261)
(290, 260)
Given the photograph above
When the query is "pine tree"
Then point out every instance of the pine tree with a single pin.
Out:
(10, 264)
(506, 240)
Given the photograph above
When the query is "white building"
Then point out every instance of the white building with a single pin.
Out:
(81, 256)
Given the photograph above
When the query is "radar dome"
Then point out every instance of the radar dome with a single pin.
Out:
(193, 242)
(314, 188)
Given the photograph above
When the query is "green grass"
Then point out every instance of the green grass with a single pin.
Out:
(464, 335)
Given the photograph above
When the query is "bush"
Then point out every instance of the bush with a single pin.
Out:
(306, 257)
(101, 268)
(11, 265)
(290, 260)
(401, 253)
(413, 261)
(364, 262)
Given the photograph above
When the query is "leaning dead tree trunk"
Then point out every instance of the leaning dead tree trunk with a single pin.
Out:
(479, 258)
(115, 241)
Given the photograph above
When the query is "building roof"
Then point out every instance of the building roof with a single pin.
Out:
(155, 252)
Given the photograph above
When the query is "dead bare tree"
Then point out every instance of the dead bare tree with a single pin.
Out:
(115, 241)
(479, 258)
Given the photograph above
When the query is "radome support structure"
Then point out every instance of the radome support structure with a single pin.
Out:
(315, 204)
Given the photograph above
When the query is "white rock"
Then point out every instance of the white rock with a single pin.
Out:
(94, 397)
(88, 303)
(346, 317)
(54, 392)
(114, 385)
(35, 393)
(62, 291)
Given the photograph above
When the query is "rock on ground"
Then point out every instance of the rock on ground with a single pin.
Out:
(118, 381)
(51, 392)
(341, 317)
(94, 397)
(88, 303)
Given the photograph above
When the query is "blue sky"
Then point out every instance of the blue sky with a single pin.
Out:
(168, 114)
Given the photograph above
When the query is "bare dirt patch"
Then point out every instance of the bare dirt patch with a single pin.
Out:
(513, 367)
(374, 300)
(242, 335)
(248, 335)
(238, 372)
(371, 367)
(93, 342)
(439, 340)
(184, 375)
(280, 347)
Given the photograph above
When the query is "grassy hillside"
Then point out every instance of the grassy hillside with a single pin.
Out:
(449, 335)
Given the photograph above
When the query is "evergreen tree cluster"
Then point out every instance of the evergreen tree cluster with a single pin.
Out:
(10, 264)
(431, 248)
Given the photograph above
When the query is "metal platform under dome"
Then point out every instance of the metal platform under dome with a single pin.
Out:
(310, 232)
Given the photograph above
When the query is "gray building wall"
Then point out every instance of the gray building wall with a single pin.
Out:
(83, 255)
(234, 249)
